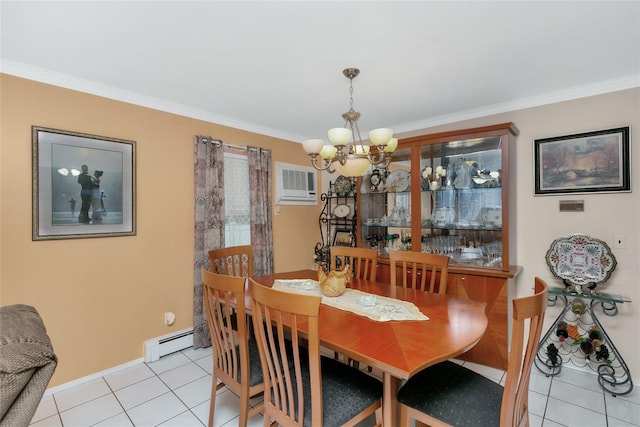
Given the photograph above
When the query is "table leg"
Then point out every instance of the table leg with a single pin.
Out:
(390, 413)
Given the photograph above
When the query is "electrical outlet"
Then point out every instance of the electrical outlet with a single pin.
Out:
(619, 242)
(169, 318)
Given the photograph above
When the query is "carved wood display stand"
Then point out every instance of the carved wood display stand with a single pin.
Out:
(613, 373)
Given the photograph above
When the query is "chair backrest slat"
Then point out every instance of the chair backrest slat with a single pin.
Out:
(363, 261)
(232, 261)
(418, 264)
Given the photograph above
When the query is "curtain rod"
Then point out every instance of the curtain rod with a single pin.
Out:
(219, 143)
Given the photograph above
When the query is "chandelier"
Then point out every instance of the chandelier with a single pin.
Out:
(347, 154)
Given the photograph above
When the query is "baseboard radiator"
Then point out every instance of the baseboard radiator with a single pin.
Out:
(155, 348)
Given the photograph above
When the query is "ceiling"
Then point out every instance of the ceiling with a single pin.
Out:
(276, 67)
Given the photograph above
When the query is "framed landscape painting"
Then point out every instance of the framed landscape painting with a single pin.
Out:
(83, 185)
(583, 163)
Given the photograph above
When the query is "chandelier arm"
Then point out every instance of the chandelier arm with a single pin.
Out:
(375, 159)
(387, 160)
(341, 157)
(378, 159)
(314, 163)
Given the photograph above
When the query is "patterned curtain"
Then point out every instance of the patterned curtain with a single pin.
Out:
(260, 202)
(209, 223)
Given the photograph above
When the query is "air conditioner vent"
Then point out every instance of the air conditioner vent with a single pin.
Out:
(295, 185)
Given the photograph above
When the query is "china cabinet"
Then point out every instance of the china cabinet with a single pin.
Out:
(448, 193)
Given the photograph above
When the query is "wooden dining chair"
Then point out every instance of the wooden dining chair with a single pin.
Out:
(363, 261)
(420, 265)
(232, 261)
(236, 360)
(364, 265)
(315, 391)
(450, 394)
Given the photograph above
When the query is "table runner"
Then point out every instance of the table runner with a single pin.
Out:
(375, 307)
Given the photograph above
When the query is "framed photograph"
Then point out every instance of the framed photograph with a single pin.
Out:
(342, 238)
(583, 163)
(83, 185)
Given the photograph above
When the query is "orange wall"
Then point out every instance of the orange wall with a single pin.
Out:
(102, 298)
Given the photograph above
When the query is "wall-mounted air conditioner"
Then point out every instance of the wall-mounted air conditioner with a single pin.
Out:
(296, 185)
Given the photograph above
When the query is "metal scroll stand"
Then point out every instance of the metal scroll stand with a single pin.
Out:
(579, 309)
(613, 373)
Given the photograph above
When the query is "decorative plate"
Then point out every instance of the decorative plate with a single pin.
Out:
(397, 181)
(343, 185)
(342, 211)
(581, 260)
(375, 179)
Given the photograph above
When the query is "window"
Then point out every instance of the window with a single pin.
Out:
(237, 212)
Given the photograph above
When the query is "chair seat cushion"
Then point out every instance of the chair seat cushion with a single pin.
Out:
(346, 392)
(255, 366)
(454, 394)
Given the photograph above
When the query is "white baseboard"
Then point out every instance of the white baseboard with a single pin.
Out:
(154, 349)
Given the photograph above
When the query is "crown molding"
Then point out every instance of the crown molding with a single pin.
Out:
(569, 94)
(69, 82)
(87, 86)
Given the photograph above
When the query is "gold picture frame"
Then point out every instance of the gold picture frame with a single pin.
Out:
(84, 185)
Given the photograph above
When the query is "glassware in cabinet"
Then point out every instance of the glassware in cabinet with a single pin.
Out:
(451, 197)
(385, 202)
(463, 177)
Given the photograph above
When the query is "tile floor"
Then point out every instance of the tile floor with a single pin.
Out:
(174, 391)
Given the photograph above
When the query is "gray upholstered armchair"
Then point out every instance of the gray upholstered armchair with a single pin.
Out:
(27, 363)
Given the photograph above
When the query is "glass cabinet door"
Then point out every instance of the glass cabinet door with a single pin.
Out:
(445, 193)
(461, 200)
(385, 206)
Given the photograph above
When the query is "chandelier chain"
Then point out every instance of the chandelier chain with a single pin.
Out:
(351, 110)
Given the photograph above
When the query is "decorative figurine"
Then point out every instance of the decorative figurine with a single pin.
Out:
(334, 283)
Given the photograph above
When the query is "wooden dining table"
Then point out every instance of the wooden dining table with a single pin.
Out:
(399, 349)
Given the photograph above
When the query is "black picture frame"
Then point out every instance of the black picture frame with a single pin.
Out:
(342, 238)
(587, 162)
(70, 202)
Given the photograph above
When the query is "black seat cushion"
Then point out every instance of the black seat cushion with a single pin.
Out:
(255, 366)
(346, 392)
(454, 394)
